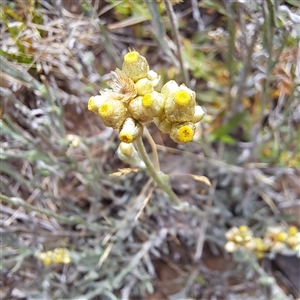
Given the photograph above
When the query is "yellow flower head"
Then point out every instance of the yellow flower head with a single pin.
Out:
(281, 237)
(260, 246)
(112, 113)
(293, 238)
(59, 255)
(130, 130)
(185, 133)
(148, 100)
(95, 102)
(294, 241)
(275, 239)
(182, 133)
(131, 57)
(45, 257)
(243, 229)
(132, 100)
(245, 233)
(154, 104)
(240, 237)
(143, 86)
(182, 98)
(292, 230)
(135, 66)
(180, 104)
(106, 109)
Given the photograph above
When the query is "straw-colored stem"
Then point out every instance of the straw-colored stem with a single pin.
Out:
(157, 176)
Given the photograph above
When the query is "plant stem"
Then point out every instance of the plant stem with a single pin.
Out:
(153, 173)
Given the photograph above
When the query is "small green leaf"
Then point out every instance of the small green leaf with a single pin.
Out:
(224, 130)
(228, 139)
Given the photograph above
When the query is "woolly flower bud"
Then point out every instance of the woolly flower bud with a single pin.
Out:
(45, 257)
(275, 239)
(198, 115)
(137, 110)
(61, 255)
(154, 104)
(293, 238)
(143, 86)
(126, 149)
(260, 246)
(245, 233)
(183, 132)
(123, 87)
(292, 230)
(135, 66)
(231, 247)
(112, 113)
(169, 88)
(130, 130)
(95, 102)
(239, 235)
(230, 234)
(127, 153)
(163, 124)
(73, 140)
(180, 106)
(294, 241)
(154, 78)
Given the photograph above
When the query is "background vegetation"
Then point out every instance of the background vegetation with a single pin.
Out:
(124, 239)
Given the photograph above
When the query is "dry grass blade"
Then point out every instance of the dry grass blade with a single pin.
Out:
(203, 179)
(124, 171)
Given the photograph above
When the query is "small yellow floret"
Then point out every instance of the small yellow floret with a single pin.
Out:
(260, 246)
(185, 134)
(281, 237)
(45, 257)
(243, 228)
(260, 255)
(292, 230)
(126, 137)
(131, 57)
(61, 255)
(92, 106)
(47, 261)
(105, 110)
(182, 98)
(147, 100)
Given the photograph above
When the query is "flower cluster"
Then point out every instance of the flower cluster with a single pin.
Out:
(58, 255)
(275, 240)
(133, 99)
